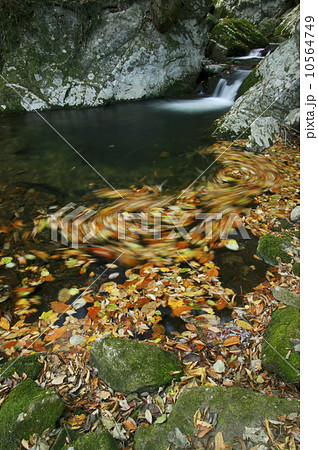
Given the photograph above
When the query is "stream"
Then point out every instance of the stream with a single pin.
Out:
(152, 142)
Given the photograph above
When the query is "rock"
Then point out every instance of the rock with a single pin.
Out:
(65, 432)
(285, 325)
(212, 69)
(94, 440)
(295, 214)
(293, 119)
(287, 297)
(219, 366)
(128, 366)
(165, 13)
(27, 410)
(272, 87)
(24, 364)
(296, 269)
(216, 52)
(238, 36)
(120, 56)
(257, 10)
(264, 133)
(287, 27)
(270, 247)
(268, 25)
(236, 408)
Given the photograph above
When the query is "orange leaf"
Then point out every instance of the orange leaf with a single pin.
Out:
(183, 347)
(93, 311)
(213, 272)
(221, 304)
(59, 307)
(232, 340)
(55, 334)
(180, 310)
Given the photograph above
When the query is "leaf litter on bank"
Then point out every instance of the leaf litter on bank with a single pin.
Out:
(133, 309)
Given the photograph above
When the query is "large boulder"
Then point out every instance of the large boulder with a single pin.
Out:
(59, 57)
(252, 10)
(264, 133)
(29, 365)
(128, 366)
(280, 352)
(27, 410)
(238, 36)
(234, 410)
(271, 89)
(271, 247)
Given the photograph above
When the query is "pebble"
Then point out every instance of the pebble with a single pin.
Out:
(219, 366)
(76, 339)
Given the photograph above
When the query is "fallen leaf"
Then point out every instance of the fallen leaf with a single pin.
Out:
(55, 334)
(232, 340)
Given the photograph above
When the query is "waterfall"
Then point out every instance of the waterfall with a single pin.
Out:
(227, 89)
(222, 98)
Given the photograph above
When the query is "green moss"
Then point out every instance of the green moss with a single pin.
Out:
(287, 27)
(253, 78)
(285, 325)
(238, 36)
(65, 432)
(94, 440)
(128, 366)
(211, 21)
(25, 364)
(236, 408)
(270, 247)
(296, 269)
(27, 410)
(268, 26)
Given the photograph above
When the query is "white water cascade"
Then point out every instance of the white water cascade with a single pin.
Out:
(222, 98)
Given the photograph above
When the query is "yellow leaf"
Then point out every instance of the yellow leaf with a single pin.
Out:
(4, 323)
(243, 324)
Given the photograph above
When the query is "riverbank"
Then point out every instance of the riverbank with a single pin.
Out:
(213, 351)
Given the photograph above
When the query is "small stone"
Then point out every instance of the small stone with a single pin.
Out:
(295, 214)
(76, 339)
(219, 366)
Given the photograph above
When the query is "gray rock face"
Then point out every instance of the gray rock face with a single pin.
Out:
(287, 297)
(124, 57)
(253, 10)
(274, 94)
(293, 119)
(264, 132)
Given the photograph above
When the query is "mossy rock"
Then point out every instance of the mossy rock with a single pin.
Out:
(238, 36)
(287, 297)
(24, 364)
(94, 440)
(236, 408)
(253, 78)
(287, 27)
(268, 26)
(128, 366)
(296, 269)
(27, 410)
(165, 13)
(211, 21)
(65, 433)
(270, 247)
(285, 325)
